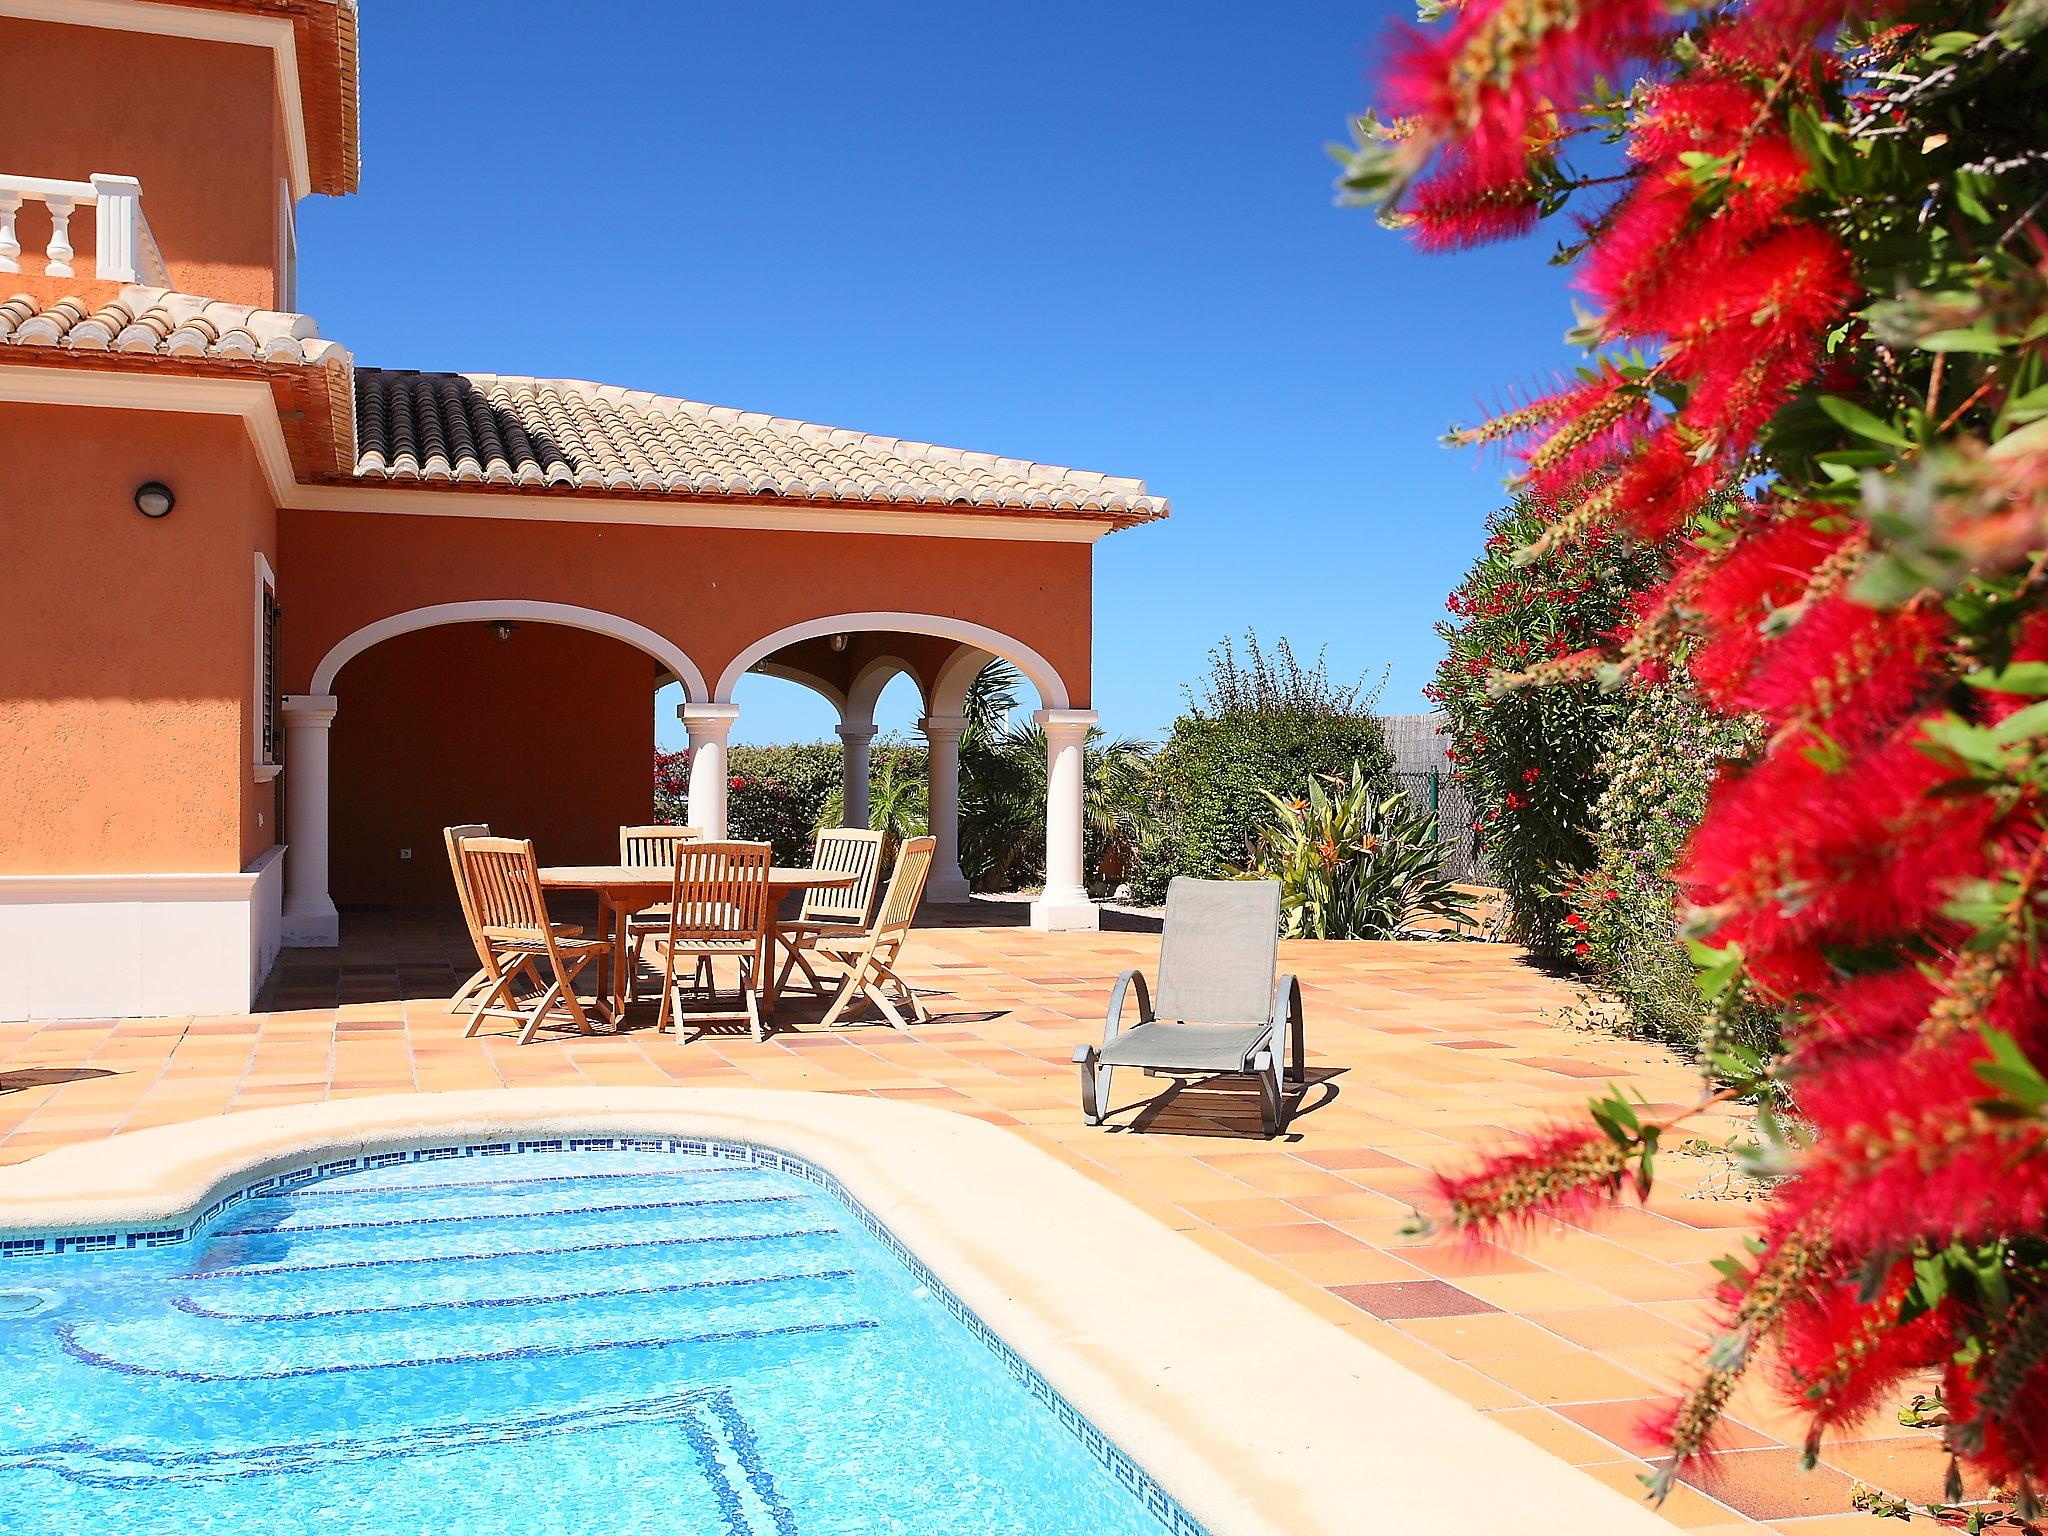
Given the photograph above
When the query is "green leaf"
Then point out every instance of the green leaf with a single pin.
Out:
(1960, 341)
(1847, 413)
(2029, 677)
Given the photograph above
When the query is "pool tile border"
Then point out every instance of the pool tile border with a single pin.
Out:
(1140, 1484)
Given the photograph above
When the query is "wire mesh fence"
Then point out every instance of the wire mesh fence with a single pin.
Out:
(1435, 791)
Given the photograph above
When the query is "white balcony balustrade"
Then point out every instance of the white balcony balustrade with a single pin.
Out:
(124, 250)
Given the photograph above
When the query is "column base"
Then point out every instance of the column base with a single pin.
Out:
(311, 924)
(1065, 911)
(948, 890)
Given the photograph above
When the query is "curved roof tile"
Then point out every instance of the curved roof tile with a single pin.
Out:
(558, 431)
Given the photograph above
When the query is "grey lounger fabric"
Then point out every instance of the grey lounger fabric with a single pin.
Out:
(1219, 1009)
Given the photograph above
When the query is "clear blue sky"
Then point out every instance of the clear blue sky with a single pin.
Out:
(1098, 234)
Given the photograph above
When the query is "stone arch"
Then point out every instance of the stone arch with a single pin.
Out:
(1052, 688)
(663, 650)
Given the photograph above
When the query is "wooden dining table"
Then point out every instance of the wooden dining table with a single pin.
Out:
(624, 889)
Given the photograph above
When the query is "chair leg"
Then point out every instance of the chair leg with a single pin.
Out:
(1266, 1068)
(752, 1002)
(918, 1010)
(574, 1004)
(1095, 1079)
(540, 1011)
(466, 993)
(845, 995)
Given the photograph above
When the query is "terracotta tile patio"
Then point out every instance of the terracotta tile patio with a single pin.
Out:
(1418, 1051)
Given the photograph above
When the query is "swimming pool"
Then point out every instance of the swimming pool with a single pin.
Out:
(621, 1336)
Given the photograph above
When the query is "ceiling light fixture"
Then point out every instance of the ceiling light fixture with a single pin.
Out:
(154, 499)
(502, 629)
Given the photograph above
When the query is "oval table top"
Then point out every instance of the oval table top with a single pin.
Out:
(639, 877)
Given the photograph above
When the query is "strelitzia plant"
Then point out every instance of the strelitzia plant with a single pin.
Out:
(1354, 864)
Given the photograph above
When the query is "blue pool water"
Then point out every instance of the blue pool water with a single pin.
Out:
(551, 1342)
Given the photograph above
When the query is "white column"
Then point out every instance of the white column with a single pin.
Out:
(942, 744)
(118, 212)
(310, 921)
(854, 769)
(710, 728)
(60, 254)
(1064, 904)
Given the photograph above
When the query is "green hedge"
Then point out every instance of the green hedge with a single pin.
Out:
(1208, 785)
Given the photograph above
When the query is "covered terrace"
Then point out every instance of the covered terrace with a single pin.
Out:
(476, 616)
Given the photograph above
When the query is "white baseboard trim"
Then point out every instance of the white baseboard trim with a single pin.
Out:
(138, 946)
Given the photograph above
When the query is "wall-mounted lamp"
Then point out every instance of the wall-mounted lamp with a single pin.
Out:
(154, 499)
(501, 630)
(838, 642)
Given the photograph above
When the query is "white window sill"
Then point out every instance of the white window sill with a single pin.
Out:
(265, 772)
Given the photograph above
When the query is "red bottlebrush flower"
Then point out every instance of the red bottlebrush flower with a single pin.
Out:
(1465, 204)
(1560, 1171)
(736, 782)
(1582, 948)
(1851, 670)
(1531, 775)
(1490, 76)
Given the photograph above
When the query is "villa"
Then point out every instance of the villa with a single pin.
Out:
(271, 599)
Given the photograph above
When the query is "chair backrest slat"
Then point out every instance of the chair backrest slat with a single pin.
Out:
(719, 890)
(906, 886)
(845, 851)
(1219, 952)
(504, 884)
(653, 847)
(453, 837)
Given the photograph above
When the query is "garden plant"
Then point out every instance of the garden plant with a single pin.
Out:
(1529, 758)
(1810, 233)
(1354, 862)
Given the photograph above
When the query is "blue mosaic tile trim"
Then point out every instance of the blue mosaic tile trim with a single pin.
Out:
(484, 1186)
(265, 1271)
(133, 1468)
(1162, 1505)
(522, 1215)
(67, 1340)
(193, 1308)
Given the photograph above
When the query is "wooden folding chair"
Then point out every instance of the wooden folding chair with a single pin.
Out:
(718, 909)
(839, 914)
(870, 958)
(487, 970)
(648, 848)
(512, 917)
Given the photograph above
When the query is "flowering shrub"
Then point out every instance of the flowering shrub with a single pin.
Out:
(1255, 726)
(1529, 758)
(1356, 863)
(1656, 771)
(1820, 281)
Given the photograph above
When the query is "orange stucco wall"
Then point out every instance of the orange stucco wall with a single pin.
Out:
(549, 735)
(711, 591)
(198, 123)
(127, 646)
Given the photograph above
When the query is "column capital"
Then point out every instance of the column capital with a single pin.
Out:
(309, 709)
(942, 725)
(853, 734)
(708, 718)
(1066, 724)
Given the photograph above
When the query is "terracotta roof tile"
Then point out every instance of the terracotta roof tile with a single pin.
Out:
(160, 323)
(482, 429)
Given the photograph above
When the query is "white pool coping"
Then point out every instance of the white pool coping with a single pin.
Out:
(1259, 1417)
